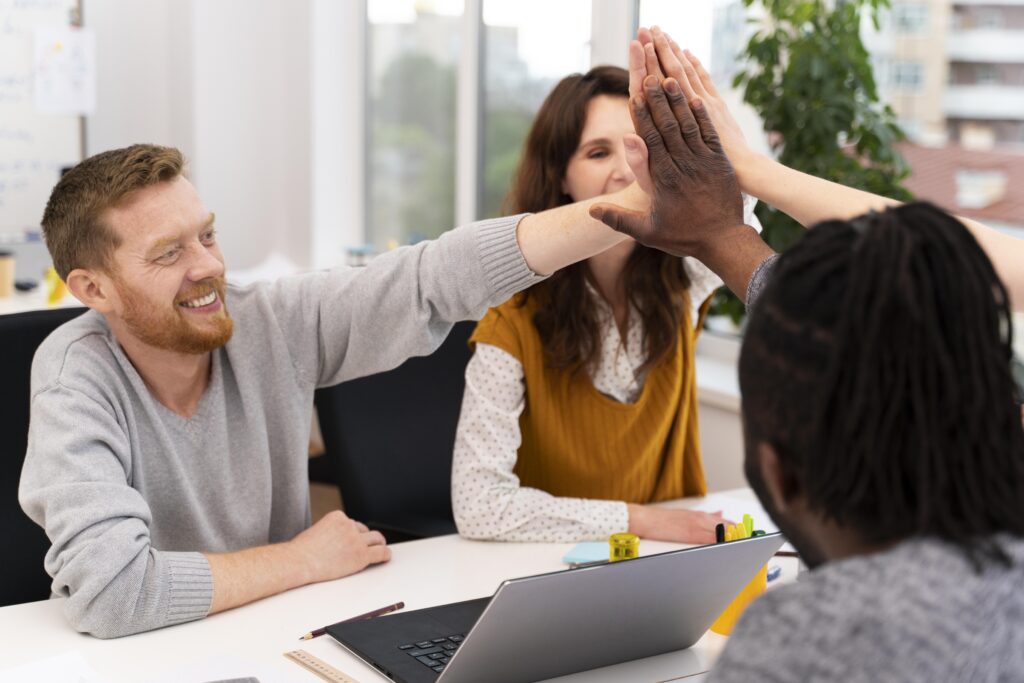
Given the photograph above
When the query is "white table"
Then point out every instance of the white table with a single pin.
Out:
(19, 302)
(420, 573)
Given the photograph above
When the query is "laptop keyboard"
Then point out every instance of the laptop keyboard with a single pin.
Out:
(434, 653)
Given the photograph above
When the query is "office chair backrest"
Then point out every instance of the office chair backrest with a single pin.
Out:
(390, 438)
(25, 543)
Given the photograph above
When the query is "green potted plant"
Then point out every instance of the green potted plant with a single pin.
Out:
(809, 77)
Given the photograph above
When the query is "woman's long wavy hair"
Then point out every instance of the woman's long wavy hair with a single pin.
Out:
(655, 282)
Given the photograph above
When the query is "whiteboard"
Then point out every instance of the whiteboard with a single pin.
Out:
(34, 147)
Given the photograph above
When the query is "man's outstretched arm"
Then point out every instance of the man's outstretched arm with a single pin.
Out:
(366, 320)
(553, 239)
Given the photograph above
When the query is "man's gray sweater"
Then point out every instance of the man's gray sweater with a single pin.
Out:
(918, 612)
(131, 494)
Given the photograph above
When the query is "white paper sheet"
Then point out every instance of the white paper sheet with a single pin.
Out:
(64, 70)
(229, 667)
(69, 667)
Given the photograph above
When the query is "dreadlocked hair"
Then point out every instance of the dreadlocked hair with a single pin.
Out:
(877, 364)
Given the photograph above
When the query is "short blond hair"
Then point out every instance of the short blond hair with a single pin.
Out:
(72, 222)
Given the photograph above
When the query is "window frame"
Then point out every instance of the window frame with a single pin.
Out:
(911, 18)
(613, 22)
(901, 70)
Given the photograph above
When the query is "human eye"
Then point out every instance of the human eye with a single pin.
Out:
(168, 256)
(597, 153)
(208, 237)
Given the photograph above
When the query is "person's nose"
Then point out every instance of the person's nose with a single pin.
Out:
(205, 263)
(621, 170)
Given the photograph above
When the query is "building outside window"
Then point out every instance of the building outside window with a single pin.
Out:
(528, 46)
(966, 140)
(906, 75)
(413, 54)
(910, 17)
(986, 74)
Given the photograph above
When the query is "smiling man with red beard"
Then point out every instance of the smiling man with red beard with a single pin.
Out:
(167, 455)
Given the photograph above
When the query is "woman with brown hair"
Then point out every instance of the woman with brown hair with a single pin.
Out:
(580, 405)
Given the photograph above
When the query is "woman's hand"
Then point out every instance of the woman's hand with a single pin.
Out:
(656, 53)
(674, 525)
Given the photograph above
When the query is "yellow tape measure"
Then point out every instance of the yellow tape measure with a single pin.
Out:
(318, 667)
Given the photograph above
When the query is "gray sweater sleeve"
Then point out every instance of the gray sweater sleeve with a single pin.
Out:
(759, 280)
(359, 321)
(75, 484)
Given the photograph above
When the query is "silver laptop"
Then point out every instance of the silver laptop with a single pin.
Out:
(555, 624)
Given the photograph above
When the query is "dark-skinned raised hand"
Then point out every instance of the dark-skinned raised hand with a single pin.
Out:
(696, 199)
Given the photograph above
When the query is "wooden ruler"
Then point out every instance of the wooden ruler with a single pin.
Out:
(318, 666)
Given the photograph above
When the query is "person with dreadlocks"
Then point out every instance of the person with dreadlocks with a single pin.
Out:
(883, 437)
(881, 420)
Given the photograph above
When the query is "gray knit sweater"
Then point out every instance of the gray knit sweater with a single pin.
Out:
(919, 612)
(131, 494)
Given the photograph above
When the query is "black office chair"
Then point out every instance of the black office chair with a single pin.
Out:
(26, 544)
(1017, 366)
(390, 438)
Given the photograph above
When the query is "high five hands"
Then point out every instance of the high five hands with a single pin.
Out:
(680, 160)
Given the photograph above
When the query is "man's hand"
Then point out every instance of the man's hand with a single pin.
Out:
(674, 525)
(696, 197)
(659, 54)
(337, 546)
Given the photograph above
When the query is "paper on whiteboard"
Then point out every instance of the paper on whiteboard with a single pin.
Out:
(734, 507)
(64, 70)
(70, 667)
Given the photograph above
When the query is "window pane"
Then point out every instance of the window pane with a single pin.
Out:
(964, 117)
(910, 17)
(957, 85)
(529, 45)
(413, 50)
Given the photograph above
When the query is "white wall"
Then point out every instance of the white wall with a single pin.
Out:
(228, 82)
(139, 74)
(721, 426)
(251, 108)
(721, 445)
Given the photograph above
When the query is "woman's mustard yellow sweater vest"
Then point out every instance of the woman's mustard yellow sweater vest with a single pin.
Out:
(577, 442)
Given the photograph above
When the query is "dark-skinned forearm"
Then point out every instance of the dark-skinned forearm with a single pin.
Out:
(734, 256)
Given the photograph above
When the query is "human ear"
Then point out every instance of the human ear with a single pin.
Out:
(92, 289)
(779, 481)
